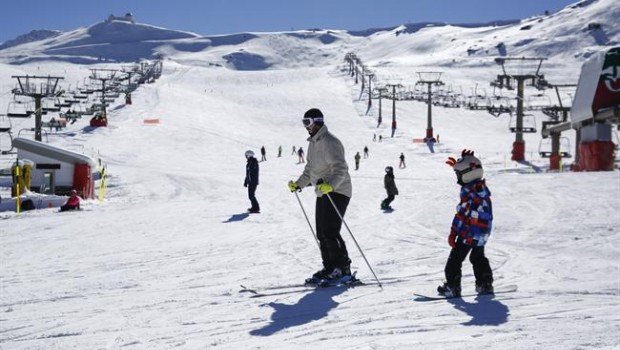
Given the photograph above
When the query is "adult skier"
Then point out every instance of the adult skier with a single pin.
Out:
(471, 227)
(390, 188)
(402, 161)
(327, 170)
(251, 180)
(357, 160)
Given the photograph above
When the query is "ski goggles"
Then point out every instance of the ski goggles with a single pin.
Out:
(308, 122)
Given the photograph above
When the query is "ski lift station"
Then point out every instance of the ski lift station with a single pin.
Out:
(595, 110)
(56, 170)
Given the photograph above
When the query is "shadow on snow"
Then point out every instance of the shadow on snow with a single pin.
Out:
(486, 311)
(311, 307)
(236, 217)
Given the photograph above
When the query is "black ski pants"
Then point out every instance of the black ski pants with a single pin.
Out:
(333, 249)
(252, 197)
(482, 269)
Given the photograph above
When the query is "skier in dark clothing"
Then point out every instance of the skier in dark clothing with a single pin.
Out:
(357, 160)
(251, 181)
(327, 169)
(262, 154)
(300, 153)
(402, 161)
(390, 188)
(471, 227)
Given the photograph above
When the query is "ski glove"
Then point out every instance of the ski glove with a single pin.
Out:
(324, 187)
(452, 240)
(293, 186)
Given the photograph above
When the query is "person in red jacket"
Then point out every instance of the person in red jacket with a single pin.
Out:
(73, 203)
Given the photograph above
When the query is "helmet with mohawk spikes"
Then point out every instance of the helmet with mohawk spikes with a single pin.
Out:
(468, 168)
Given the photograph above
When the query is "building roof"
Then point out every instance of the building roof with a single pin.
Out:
(53, 152)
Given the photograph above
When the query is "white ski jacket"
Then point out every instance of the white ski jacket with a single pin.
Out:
(326, 161)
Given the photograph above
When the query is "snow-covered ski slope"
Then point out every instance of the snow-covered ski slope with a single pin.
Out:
(159, 264)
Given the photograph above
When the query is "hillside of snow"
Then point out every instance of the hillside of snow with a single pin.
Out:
(571, 34)
(161, 262)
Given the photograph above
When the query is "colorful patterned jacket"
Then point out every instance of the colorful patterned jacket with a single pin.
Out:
(473, 220)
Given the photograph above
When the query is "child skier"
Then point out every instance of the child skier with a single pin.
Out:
(390, 188)
(471, 227)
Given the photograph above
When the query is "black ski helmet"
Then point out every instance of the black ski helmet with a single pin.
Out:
(313, 116)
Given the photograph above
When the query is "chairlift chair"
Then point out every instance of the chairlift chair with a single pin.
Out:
(48, 105)
(18, 109)
(5, 124)
(31, 132)
(545, 147)
(6, 136)
(529, 124)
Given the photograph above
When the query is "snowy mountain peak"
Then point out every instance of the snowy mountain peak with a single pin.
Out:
(34, 35)
(574, 33)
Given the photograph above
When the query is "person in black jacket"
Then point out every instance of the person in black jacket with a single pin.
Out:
(390, 188)
(251, 181)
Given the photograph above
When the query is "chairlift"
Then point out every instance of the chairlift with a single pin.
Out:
(63, 103)
(31, 132)
(48, 105)
(5, 124)
(538, 101)
(80, 95)
(529, 124)
(18, 109)
(545, 147)
(6, 136)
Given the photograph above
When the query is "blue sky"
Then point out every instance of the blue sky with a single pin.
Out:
(212, 17)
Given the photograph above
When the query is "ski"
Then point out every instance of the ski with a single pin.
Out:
(498, 290)
(305, 287)
(298, 288)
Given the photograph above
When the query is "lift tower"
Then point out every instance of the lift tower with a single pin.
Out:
(430, 79)
(103, 75)
(519, 69)
(393, 86)
(370, 74)
(37, 87)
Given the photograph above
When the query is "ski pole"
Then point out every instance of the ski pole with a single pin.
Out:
(308, 220)
(354, 240)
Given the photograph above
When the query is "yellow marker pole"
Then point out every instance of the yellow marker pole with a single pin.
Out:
(17, 189)
(102, 185)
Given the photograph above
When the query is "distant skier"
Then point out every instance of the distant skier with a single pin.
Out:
(294, 151)
(357, 160)
(251, 180)
(402, 161)
(390, 188)
(300, 154)
(280, 151)
(263, 154)
(365, 152)
(471, 227)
